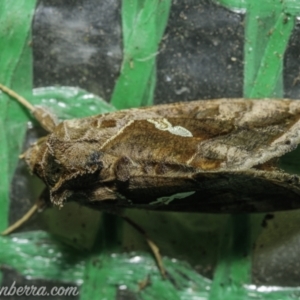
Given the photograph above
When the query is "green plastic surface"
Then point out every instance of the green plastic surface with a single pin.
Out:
(143, 24)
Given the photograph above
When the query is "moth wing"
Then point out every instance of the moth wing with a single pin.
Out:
(251, 132)
(161, 151)
(218, 192)
(226, 134)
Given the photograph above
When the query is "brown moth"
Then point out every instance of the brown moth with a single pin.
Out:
(205, 156)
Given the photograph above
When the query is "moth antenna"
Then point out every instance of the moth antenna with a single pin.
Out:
(47, 120)
(21, 221)
(154, 248)
(40, 203)
(17, 97)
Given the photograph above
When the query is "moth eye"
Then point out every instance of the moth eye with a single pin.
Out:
(55, 175)
(56, 170)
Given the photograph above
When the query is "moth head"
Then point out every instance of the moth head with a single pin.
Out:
(68, 169)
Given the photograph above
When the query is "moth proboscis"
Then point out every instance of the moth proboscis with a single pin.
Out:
(215, 156)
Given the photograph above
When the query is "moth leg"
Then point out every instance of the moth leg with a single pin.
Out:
(44, 117)
(151, 244)
(40, 204)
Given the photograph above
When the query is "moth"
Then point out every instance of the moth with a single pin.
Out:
(206, 156)
(214, 156)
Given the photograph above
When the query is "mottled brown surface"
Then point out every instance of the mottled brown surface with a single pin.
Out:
(221, 150)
